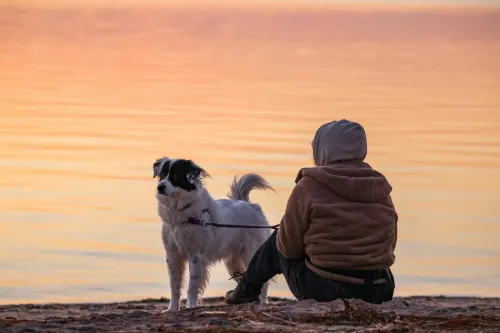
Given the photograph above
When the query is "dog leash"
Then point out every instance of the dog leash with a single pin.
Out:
(202, 223)
(220, 225)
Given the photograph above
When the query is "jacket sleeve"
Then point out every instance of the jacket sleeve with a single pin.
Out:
(395, 232)
(293, 225)
(396, 220)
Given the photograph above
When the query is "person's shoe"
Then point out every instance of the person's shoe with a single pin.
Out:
(242, 294)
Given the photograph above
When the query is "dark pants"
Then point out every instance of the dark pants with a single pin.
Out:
(305, 284)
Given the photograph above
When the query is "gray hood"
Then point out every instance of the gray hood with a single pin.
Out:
(339, 141)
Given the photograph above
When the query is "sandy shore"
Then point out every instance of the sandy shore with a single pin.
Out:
(412, 314)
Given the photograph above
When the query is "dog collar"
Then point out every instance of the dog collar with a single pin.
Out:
(194, 221)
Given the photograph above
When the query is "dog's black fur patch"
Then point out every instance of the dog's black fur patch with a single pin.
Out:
(157, 165)
(180, 172)
(163, 172)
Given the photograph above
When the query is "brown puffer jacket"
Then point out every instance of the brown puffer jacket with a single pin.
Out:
(342, 217)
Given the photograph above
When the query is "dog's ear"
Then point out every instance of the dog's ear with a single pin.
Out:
(156, 166)
(195, 172)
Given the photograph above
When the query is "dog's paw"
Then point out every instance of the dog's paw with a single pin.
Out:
(172, 308)
(191, 304)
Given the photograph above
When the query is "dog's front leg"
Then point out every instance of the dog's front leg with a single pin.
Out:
(176, 266)
(197, 279)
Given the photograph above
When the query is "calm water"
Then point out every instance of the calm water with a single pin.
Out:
(90, 98)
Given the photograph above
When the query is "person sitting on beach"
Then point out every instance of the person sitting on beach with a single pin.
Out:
(338, 234)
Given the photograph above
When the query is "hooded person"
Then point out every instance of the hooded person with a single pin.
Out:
(338, 234)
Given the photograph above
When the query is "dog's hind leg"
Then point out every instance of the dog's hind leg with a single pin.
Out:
(198, 279)
(234, 265)
(263, 293)
(246, 258)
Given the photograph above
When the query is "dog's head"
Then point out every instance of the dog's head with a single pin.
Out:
(177, 175)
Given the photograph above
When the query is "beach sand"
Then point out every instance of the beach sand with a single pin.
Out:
(409, 314)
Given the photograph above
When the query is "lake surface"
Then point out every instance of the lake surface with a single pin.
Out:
(90, 97)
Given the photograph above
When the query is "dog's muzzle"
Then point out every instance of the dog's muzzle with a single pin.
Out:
(161, 189)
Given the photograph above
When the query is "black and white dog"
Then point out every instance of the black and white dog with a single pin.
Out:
(182, 199)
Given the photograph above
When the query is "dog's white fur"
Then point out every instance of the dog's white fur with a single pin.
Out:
(200, 247)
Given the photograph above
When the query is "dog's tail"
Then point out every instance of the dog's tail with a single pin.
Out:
(241, 188)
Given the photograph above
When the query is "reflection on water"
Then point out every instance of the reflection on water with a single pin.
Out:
(90, 98)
